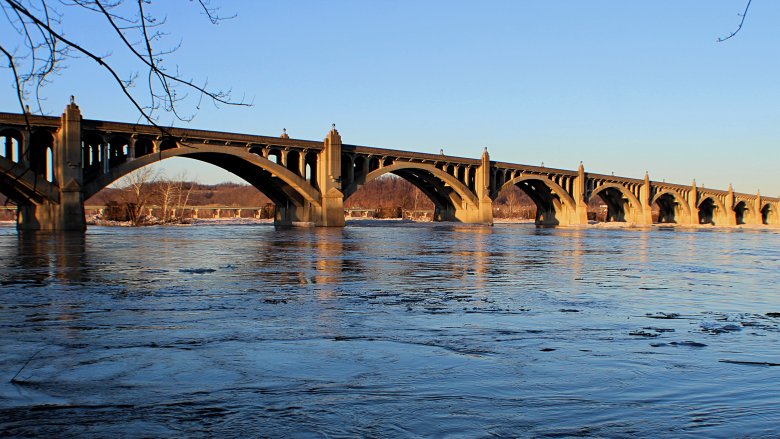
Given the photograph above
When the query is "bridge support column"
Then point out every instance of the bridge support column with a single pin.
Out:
(482, 186)
(646, 218)
(759, 218)
(730, 215)
(331, 213)
(67, 171)
(580, 206)
(693, 204)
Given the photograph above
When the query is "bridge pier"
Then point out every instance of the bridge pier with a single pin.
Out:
(730, 214)
(646, 216)
(580, 216)
(482, 212)
(693, 204)
(68, 214)
(331, 212)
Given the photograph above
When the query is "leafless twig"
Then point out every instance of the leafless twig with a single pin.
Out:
(44, 44)
(741, 22)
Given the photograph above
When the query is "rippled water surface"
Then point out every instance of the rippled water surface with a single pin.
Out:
(387, 329)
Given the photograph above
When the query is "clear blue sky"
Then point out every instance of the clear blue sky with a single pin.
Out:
(624, 86)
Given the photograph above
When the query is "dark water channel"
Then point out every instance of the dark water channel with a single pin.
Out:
(389, 330)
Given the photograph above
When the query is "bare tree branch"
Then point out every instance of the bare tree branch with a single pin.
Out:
(43, 46)
(741, 22)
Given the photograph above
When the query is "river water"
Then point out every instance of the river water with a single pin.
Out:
(388, 329)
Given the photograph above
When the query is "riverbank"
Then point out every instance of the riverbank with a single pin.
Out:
(360, 221)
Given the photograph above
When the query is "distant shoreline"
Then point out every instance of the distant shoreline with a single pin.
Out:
(497, 221)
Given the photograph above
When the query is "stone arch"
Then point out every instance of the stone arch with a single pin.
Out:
(451, 198)
(359, 169)
(618, 210)
(256, 150)
(294, 162)
(41, 152)
(554, 206)
(711, 210)
(11, 141)
(669, 203)
(347, 169)
(91, 149)
(275, 156)
(471, 177)
(168, 143)
(118, 150)
(498, 178)
(143, 146)
(310, 168)
(373, 164)
(277, 182)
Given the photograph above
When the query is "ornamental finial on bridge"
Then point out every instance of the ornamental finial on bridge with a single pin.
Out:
(284, 134)
(72, 99)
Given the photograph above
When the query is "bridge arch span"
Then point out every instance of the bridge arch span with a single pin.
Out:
(769, 214)
(711, 210)
(281, 185)
(554, 205)
(622, 204)
(452, 199)
(672, 206)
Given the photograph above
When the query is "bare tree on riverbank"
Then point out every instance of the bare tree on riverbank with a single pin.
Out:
(136, 190)
(172, 196)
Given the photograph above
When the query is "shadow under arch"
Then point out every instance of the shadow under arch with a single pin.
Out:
(448, 194)
(554, 206)
(711, 211)
(672, 207)
(768, 214)
(622, 204)
(278, 183)
(742, 212)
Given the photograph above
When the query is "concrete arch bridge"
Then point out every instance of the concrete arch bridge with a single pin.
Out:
(50, 165)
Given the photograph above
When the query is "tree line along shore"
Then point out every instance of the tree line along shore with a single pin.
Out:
(171, 200)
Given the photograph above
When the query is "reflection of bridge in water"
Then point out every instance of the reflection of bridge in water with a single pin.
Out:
(50, 165)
